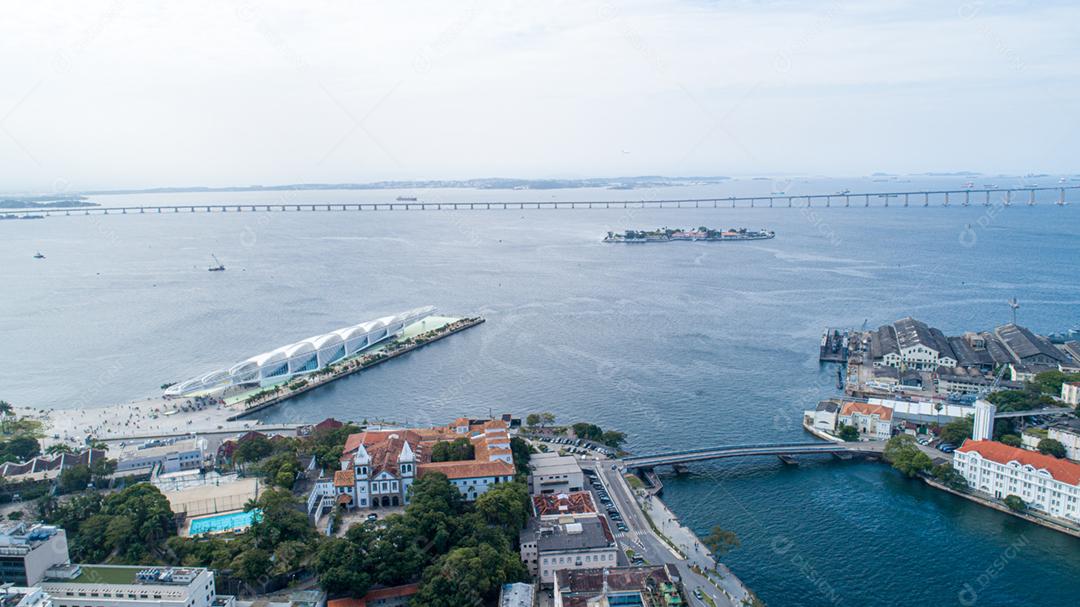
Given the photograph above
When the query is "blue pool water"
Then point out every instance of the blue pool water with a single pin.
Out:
(232, 521)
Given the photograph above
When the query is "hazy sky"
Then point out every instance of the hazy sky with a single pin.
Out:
(133, 94)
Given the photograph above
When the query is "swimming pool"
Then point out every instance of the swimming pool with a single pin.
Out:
(220, 523)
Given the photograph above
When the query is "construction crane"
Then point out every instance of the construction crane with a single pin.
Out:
(993, 387)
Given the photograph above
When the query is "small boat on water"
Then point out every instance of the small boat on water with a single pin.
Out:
(406, 198)
(38, 255)
(220, 267)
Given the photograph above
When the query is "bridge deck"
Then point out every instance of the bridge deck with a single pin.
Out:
(963, 197)
(696, 455)
(1032, 412)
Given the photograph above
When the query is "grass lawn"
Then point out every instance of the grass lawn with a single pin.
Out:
(99, 574)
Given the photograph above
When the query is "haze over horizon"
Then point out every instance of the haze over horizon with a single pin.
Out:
(107, 95)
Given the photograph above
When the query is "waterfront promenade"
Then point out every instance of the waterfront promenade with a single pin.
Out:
(655, 534)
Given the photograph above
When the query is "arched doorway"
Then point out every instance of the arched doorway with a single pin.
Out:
(385, 500)
(395, 501)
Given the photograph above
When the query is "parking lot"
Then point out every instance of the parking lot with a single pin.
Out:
(574, 446)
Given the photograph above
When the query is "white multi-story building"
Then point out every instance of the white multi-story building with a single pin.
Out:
(823, 417)
(583, 544)
(16, 596)
(1066, 432)
(168, 456)
(1045, 483)
(28, 550)
(982, 427)
(920, 346)
(122, 586)
(1070, 393)
(554, 473)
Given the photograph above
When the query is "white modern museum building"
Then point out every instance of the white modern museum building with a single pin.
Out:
(302, 357)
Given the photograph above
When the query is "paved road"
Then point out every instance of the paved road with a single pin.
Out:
(641, 539)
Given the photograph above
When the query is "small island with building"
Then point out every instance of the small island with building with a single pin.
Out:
(700, 233)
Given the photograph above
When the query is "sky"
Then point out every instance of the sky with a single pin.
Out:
(107, 94)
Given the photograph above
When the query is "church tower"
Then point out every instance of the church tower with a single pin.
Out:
(362, 468)
(407, 469)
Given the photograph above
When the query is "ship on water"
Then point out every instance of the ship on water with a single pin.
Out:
(701, 233)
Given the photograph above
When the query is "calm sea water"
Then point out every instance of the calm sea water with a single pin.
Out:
(679, 345)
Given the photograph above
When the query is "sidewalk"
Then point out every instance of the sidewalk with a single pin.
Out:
(696, 552)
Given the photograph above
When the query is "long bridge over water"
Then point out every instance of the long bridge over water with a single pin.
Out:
(782, 450)
(922, 198)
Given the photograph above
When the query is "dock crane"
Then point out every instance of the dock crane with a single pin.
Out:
(1015, 305)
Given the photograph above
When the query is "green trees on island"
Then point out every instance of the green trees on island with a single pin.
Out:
(903, 453)
(1050, 446)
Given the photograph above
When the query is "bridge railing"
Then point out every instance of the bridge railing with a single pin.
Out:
(729, 448)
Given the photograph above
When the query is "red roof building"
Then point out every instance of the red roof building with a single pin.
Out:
(556, 505)
(1045, 483)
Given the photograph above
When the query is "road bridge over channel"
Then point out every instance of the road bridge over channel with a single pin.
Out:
(1029, 195)
(782, 450)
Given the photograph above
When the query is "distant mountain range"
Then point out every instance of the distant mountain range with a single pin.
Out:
(490, 183)
(44, 202)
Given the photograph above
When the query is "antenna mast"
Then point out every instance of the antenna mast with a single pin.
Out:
(1014, 304)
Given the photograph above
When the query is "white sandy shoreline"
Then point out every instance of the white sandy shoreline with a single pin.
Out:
(149, 416)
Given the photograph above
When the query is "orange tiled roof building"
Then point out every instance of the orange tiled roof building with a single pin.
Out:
(379, 466)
